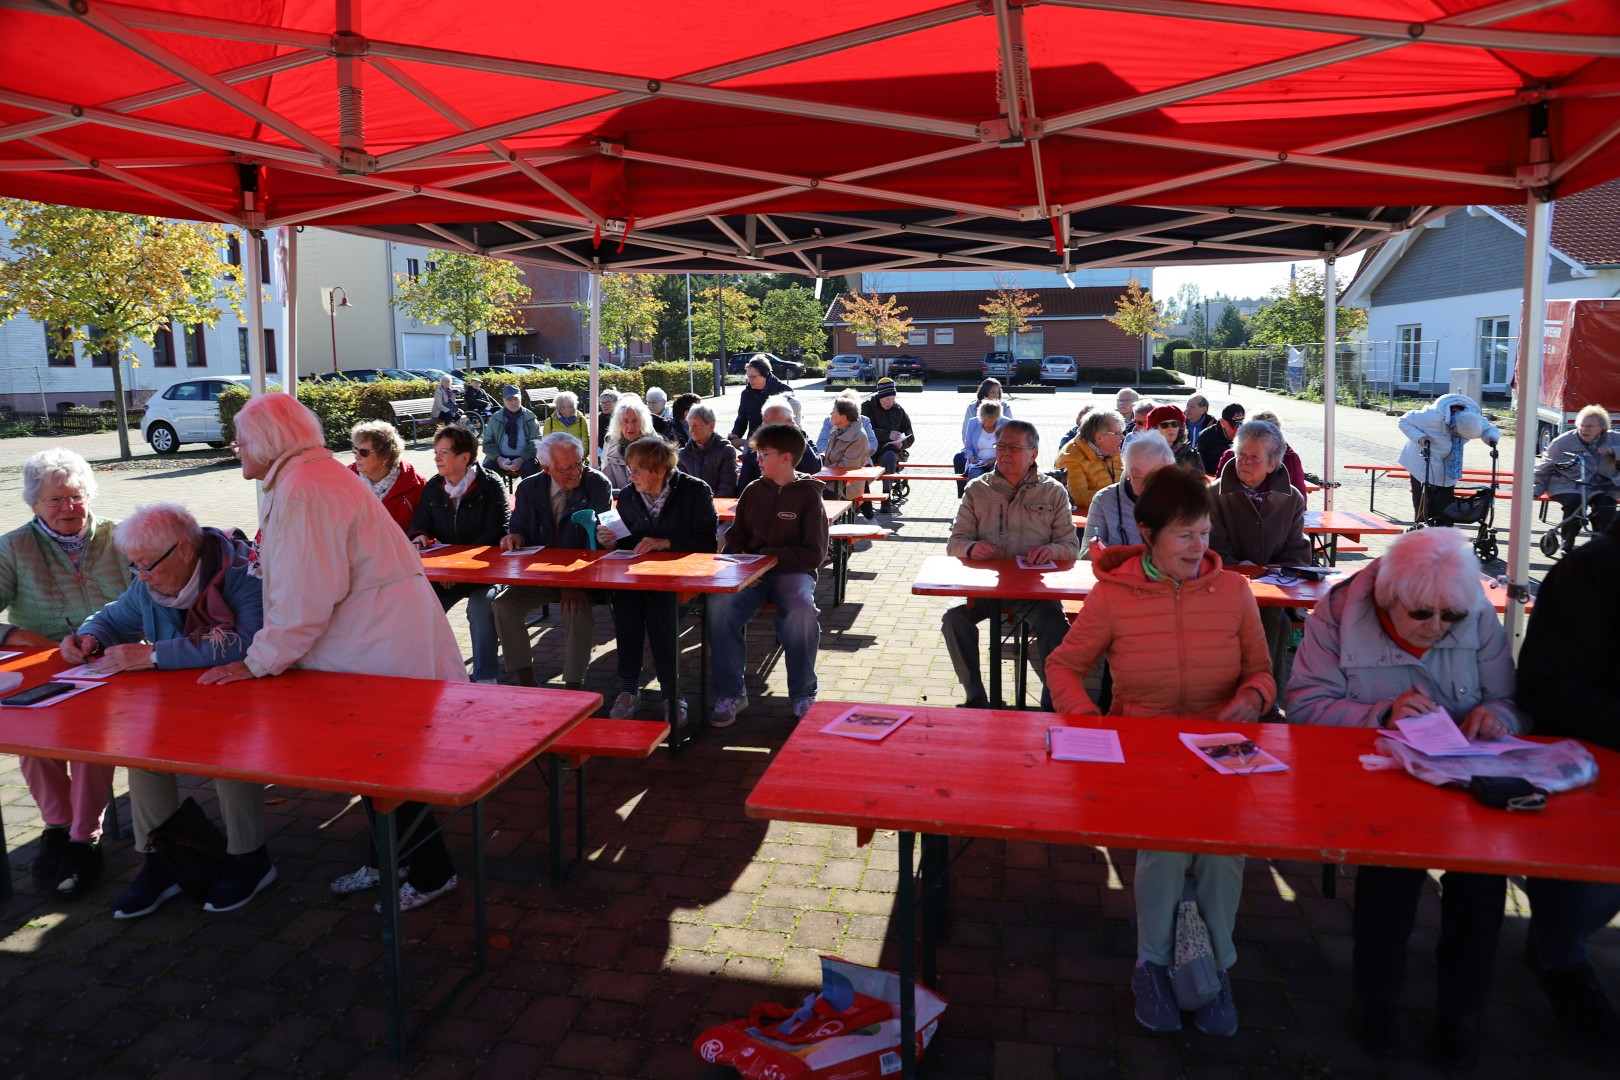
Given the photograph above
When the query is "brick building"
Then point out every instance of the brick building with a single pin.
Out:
(948, 330)
(552, 328)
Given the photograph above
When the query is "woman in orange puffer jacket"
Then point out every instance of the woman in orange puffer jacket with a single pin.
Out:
(1183, 639)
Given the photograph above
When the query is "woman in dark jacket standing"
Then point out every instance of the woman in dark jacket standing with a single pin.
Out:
(665, 510)
(464, 504)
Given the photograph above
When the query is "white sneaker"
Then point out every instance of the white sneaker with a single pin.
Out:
(625, 705)
(726, 710)
(801, 705)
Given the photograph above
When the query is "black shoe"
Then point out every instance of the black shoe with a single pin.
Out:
(240, 879)
(866, 511)
(524, 677)
(81, 870)
(47, 869)
(1377, 1027)
(975, 703)
(1456, 1039)
(151, 887)
(886, 507)
(1579, 1001)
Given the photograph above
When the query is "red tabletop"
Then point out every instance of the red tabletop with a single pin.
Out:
(393, 739)
(1079, 520)
(567, 568)
(865, 472)
(946, 575)
(984, 773)
(725, 508)
(1349, 523)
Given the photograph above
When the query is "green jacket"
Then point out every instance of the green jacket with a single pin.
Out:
(495, 427)
(41, 591)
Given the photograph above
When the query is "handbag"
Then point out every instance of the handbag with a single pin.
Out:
(1193, 975)
(191, 848)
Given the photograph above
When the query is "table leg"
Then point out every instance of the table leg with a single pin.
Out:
(672, 704)
(382, 828)
(6, 890)
(480, 920)
(906, 901)
(554, 816)
(995, 652)
(840, 571)
(936, 855)
(1372, 493)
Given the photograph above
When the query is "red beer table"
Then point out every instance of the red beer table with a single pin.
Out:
(389, 740)
(725, 508)
(673, 573)
(986, 774)
(1324, 527)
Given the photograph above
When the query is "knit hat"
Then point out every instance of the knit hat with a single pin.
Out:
(886, 388)
(510, 392)
(1165, 412)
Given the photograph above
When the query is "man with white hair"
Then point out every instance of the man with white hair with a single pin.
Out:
(196, 601)
(545, 507)
(658, 406)
(777, 410)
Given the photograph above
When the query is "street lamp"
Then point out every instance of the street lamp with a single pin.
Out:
(722, 368)
(332, 304)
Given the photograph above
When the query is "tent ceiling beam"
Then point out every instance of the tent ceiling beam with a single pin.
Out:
(1273, 213)
(927, 228)
(456, 241)
(149, 186)
(776, 230)
(743, 247)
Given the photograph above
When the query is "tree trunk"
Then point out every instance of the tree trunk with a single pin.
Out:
(120, 408)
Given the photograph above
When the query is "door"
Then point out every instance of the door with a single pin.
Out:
(424, 351)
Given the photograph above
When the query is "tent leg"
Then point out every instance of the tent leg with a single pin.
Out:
(1537, 230)
(1330, 388)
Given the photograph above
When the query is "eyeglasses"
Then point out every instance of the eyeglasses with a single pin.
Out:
(146, 571)
(1163, 424)
(1425, 614)
(362, 452)
(56, 502)
(1012, 448)
(1115, 432)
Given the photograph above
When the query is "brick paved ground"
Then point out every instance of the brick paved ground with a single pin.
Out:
(688, 913)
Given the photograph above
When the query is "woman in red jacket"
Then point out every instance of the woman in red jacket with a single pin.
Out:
(378, 461)
(1183, 639)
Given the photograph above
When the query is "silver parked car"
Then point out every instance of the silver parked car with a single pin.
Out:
(1058, 368)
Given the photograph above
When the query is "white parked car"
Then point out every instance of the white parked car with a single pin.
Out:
(1056, 369)
(187, 412)
(848, 367)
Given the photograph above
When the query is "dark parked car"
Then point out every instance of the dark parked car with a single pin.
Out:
(368, 375)
(910, 367)
(782, 369)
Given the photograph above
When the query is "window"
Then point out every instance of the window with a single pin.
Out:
(432, 266)
(917, 337)
(269, 351)
(945, 336)
(412, 268)
(1495, 351)
(233, 250)
(1028, 345)
(865, 341)
(102, 356)
(212, 390)
(242, 347)
(58, 349)
(196, 350)
(186, 391)
(163, 348)
(1409, 353)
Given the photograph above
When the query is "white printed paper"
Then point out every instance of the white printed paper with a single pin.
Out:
(431, 548)
(621, 555)
(526, 550)
(1437, 735)
(1025, 564)
(740, 560)
(63, 696)
(1084, 744)
(7, 654)
(1231, 753)
(85, 671)
(869, 723)
(613, 523)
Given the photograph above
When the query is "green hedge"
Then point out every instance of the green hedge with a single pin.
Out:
(1166, 354)
(1130, 376)
(676, 379)
(1238, 365)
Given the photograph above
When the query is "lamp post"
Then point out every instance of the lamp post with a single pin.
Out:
(332, 304)
(723, 365)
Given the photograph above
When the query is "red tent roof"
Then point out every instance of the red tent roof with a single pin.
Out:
(763, 135)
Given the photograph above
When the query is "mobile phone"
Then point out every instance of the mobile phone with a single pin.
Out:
(42, 692)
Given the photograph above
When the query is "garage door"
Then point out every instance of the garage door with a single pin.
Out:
(425, 350)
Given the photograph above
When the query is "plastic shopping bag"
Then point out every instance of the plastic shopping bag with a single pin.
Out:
(1193, 975)
(849, 1031)
(1551, 767)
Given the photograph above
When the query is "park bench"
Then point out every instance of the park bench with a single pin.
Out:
(541, 400)
(842, 539)
(415, 410)
(594, 736)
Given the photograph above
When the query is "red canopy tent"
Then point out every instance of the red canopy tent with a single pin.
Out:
(780, 136)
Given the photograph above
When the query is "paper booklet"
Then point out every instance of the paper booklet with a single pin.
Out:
(1231, 753)
(1025, 564)
(627, 554)
(740, 560)
(526, 550)
(1084, 744)
(84, 671)
(869, 723)
(613, 523)
(1437, 735)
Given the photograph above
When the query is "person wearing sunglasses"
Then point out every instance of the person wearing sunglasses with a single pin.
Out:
(379, 461)
(1410, 635)
(1171, 425)
(1217, 438)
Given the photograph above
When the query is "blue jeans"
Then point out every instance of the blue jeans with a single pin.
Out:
(1563, 914)
(796, 627)
(486, 643)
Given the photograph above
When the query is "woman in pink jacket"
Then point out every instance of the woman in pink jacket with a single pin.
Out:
(1183, 639)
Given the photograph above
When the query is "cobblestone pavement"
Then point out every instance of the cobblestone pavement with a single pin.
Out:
(687, 913)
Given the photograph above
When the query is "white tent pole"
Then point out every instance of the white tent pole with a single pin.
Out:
(1532, 331)
(289, 375)
(593, 453)
(255, 310)
(1330, 380)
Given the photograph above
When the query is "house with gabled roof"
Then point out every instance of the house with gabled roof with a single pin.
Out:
(1447, 294)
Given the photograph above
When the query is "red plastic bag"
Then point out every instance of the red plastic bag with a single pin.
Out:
(849, 1031)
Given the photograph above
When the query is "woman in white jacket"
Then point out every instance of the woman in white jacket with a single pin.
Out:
(343, 591)
(1433, 453)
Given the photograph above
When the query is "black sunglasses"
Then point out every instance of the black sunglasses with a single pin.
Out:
(1169, 424)
(362, 452)
(1424, 614)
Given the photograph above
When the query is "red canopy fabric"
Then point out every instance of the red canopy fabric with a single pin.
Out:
(734, 132)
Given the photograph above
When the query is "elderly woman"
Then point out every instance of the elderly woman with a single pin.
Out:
(1587, 452)
(445, 409)
(1182, 638)
(55, 572)
(706, 455)
(1092, 456)
(464, 504)
(979, 448)
(1410, 635)
(1111, 519)
(631, 421)
(195, 602)
(340, 581)
(847, 448)
(777, 410)
(379, 461)
(658, 409)
(566, 418)
(509, 436)
(1433, 454)
(665, 510)
(826, 423)
(1171, 425)
(1125, 401)
(607, 399)
(1138, 425)
(1290, 460)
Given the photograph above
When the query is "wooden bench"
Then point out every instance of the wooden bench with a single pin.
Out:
(415, 410)
(842, 539)
(594, 736)
(541, 400)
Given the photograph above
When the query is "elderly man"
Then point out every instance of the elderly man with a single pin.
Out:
(1260, 518)
(509, 437)
(607, 399)
(1012, 511)
(762, 385)
(658, 405)
(475, 400)
(707, 456)
(778, 410)
(546, 505)
(1138, 420)
(1198, 417)
(196, 601)
(1217, 438)
(892, 427)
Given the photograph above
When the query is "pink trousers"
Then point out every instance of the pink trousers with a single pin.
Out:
(78, 802)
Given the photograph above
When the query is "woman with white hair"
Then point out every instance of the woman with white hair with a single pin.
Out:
(445, 409)
(343, 591)
(566, 418)
(1433, 454)
(1585, 452)
(1411, 635)
(1111, 518)
(631, 421)
(658, 408)
(196, 601)
(706, 455)
(55, 572)
(827, 425)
